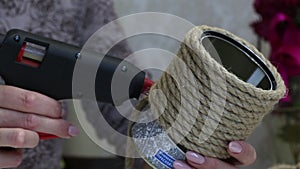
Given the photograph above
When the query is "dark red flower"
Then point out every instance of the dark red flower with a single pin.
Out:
(267, 9)
(279, 24)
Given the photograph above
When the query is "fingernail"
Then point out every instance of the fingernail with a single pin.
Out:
(194, 157)
(73, 131)
(235, 147)
(181, 165)
(21, 137)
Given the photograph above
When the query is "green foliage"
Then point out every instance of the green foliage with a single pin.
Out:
(290, 133)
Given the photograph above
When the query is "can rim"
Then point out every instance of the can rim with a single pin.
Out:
(247, 51)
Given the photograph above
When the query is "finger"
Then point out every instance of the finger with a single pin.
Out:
(31, 102)
(42, 124)
(199, 162)
(18, 138)
(243, 152)
(10, 159)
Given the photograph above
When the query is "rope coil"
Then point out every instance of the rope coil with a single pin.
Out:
(206, 106)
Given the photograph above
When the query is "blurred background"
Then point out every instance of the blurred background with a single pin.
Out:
(232, 15)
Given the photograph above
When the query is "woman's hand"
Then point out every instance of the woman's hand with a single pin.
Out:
(22, 115)
(244, 153)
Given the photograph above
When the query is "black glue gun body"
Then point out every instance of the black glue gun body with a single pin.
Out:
(47, 66)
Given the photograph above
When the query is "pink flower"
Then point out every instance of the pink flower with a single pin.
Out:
(279, 24)
(267, 9)
(286, 55)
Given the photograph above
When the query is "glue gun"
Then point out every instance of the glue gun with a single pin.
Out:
(46, 66)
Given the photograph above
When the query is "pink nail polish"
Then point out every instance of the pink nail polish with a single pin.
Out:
(73, 131)
(194, 157)
(181, 165)
(235, 147)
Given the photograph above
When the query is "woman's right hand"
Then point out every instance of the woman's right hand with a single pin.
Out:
(23, 114)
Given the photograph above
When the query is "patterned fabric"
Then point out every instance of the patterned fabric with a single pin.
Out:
(61, 20)
(70, 21)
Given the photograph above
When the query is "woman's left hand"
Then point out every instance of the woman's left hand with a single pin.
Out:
(243, 152)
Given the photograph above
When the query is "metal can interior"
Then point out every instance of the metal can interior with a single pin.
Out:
(238, 59)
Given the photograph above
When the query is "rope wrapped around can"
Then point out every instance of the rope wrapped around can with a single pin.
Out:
(202, 105)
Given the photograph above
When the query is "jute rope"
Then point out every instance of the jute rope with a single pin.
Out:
(283, 166)
(216, 106)
(202, 105)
